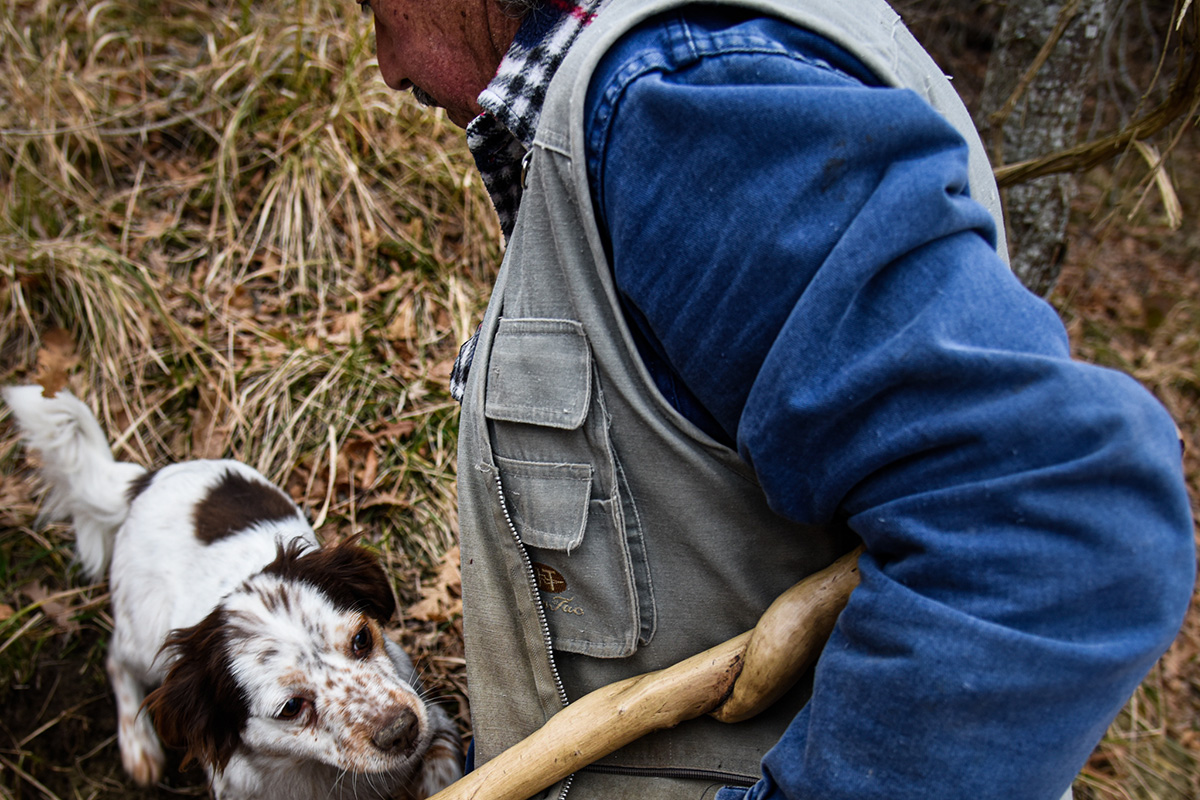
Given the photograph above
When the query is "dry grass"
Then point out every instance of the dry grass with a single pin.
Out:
(263, 253)
(259, 248)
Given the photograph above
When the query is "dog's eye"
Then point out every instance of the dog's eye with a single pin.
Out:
(361, 644)
(292, 708)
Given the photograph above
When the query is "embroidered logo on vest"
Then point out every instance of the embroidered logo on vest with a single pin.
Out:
(549, 579)
(565, 605)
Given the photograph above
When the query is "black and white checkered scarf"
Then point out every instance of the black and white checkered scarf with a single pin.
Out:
(512, 103)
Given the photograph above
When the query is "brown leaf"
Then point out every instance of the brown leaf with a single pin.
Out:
(443, 600)
(345, 328)
(441, 370)
(388, 284)
(6, 611)
(398, 430)
(359, 455)
(61, 613)
(403, 325)
(55, 358)
(242, 298)
(370, 470)
(297, 483)
(209, 437)
(390, 432)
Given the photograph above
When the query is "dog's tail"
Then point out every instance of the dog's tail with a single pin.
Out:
(85, 484)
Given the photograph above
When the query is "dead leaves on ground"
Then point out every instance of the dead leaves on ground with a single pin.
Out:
(433, 626)
(355, 470)
(211, 424)
(442, 598)
(63, 608)
(54, 605)
(55, 360)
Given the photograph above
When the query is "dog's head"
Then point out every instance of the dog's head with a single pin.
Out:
(293, 665)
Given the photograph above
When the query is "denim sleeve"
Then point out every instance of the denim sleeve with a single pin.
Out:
(799, 255)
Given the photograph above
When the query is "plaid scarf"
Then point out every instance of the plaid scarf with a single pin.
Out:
(512, 102)
(500, 137)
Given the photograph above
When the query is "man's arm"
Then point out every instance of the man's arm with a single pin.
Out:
(810, 281)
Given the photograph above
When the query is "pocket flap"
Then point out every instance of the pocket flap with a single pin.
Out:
(539, 373)
(548, 502)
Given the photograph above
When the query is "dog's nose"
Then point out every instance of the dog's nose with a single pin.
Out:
(398, 733)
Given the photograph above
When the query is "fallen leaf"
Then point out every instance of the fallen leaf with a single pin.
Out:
(388, 284)
(242, 298)
(440, 371)
(345, 329)
(403, 325)
(358, 456)
(443, 600)
(389, 432)
(370, 470)
(55, 358)
(297, 483)
(398, 430)
(208, 437)
(55, 607)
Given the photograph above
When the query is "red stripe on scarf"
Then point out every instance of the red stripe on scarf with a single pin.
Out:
(567, 7)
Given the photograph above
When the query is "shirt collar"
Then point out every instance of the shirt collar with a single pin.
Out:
(512, 102)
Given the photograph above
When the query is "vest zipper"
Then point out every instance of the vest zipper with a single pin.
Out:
(726, 778)
(541, 612)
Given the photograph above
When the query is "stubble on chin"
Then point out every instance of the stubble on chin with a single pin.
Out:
(423, 97)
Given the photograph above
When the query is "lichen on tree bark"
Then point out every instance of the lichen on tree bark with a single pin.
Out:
(1031, 104)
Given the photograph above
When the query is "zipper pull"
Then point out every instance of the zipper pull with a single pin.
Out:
(525, 159)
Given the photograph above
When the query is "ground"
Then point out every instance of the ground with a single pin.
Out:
(266, 255)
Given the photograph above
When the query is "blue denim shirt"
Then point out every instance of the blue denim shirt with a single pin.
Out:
(810, 282)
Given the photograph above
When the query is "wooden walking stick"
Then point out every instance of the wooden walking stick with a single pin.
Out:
(732, 681)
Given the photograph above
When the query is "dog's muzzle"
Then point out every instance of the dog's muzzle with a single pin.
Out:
(398, 733)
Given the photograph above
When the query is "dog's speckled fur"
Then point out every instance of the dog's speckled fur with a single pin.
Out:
(268, 651)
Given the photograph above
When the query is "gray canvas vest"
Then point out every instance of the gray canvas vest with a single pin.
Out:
(603, 535)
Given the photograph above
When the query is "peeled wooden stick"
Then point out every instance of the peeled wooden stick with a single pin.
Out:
(732, 681)
(788, 638)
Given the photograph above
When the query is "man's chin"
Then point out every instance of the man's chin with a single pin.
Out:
(460, 118)
(423, 97)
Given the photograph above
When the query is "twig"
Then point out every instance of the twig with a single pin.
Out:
(36, 618)
(35, 606)
(1065, 17)
(34, 782)
(320, 520)
(51, 723)
(1182, 99)
(1159, 178)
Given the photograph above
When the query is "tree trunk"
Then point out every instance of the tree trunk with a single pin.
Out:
(1024, 115)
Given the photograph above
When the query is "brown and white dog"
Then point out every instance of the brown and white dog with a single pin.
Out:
(268, 651)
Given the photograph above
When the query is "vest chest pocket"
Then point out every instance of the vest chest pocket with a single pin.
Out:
(563, 488)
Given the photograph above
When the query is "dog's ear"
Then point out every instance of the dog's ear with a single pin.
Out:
(347, 573)
(200, 707)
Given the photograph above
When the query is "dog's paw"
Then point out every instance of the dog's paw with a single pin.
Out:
(141, 753)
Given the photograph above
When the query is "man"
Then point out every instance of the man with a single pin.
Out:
(753, 310)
